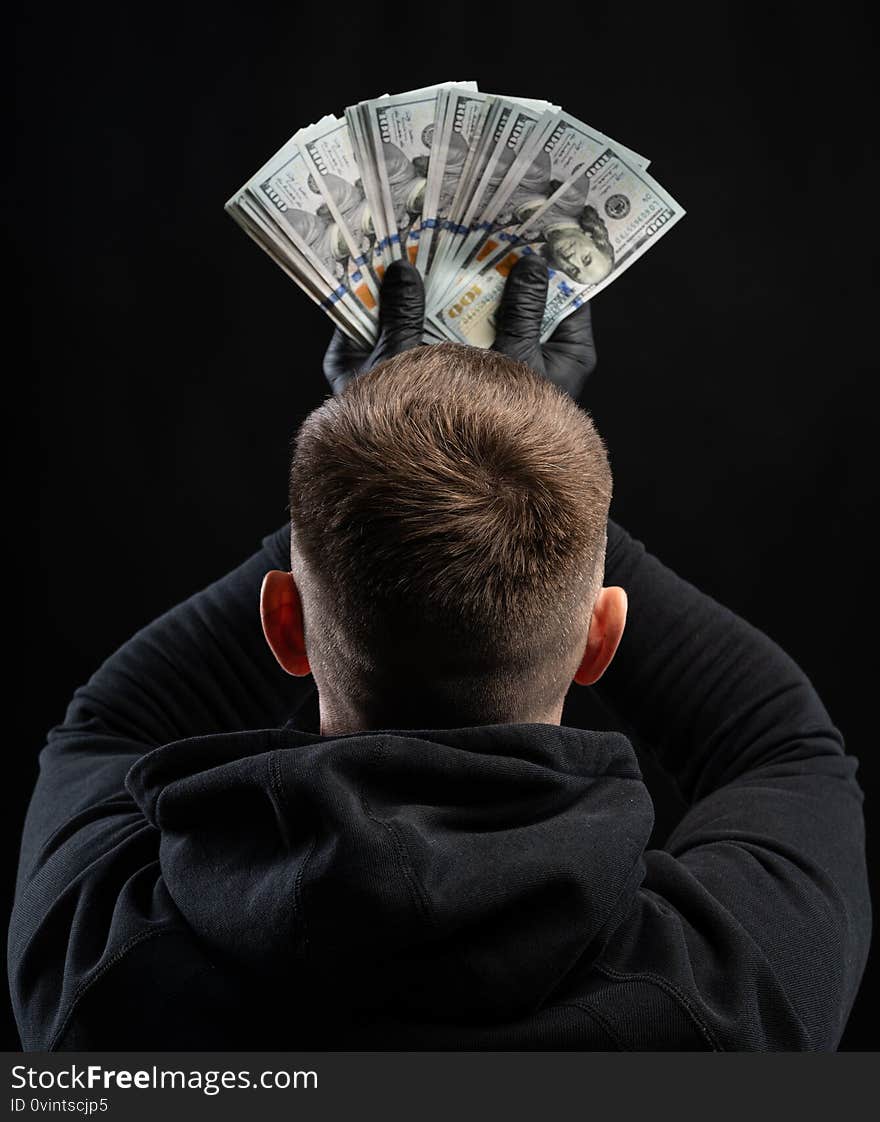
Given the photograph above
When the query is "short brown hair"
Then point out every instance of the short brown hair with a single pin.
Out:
(450, 510)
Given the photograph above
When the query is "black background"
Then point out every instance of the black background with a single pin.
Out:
(167, 363)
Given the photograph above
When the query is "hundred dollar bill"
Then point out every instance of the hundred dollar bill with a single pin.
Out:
(402, 131)
(284, 191)
(622, 213)
(469, 314)
(462, 185)
(329, 156)
(276, 240)
(276, 243)
(512, 126)
(554, 150)
(461, 114)
(365, 157)
(508, 134)
(497, 110)
(269, 237)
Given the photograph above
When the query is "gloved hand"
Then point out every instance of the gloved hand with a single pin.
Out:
(568, 357)
(401, 322)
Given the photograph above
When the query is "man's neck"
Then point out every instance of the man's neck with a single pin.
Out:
(342, 721)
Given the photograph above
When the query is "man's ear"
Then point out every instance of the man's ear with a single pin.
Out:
(281, 613)
(606, 629)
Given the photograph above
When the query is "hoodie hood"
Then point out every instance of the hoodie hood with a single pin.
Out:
(445, 872)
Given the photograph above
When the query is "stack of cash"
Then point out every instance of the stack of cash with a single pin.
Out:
(461, 184)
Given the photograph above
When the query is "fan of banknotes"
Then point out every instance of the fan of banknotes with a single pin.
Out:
(461, 183)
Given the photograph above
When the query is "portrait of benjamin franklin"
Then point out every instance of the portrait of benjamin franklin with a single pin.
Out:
(571, 234)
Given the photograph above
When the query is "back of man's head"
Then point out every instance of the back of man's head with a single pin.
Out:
(448, 522)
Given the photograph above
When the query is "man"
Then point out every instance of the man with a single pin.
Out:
(437, 863)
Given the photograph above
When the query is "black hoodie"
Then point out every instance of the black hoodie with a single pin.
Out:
(200, 872)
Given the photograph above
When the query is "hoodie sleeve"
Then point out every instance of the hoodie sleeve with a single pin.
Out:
(772, 843)
(88, 874)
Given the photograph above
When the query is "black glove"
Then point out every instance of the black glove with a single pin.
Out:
(568, 357)
(401, 322)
